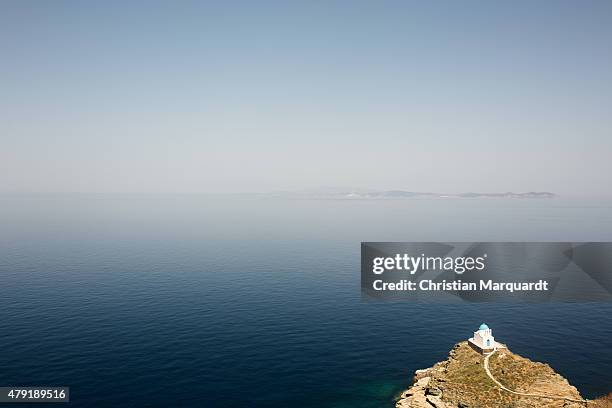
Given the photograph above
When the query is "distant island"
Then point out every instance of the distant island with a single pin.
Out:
(357, 194)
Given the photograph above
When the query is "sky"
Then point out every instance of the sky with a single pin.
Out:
(231, 96)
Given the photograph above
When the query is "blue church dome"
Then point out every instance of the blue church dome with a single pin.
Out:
(483, 327)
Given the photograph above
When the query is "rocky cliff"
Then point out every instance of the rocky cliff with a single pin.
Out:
(461, 381)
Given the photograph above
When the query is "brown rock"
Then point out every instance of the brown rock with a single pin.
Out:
(461, 381)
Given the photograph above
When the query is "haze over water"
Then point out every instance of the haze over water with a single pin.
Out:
(159, 298)
(225, 301)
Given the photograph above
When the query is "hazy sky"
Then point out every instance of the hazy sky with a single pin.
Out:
(257, 96)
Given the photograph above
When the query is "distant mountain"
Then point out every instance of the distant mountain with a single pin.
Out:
(361, 194)
(530, 194)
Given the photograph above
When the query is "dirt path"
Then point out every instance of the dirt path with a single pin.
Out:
(500, 385)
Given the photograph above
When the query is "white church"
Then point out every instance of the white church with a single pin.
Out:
(483, 340)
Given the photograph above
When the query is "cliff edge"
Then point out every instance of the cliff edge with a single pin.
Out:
(462, 381)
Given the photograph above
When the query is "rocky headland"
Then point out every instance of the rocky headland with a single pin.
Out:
(462, 381)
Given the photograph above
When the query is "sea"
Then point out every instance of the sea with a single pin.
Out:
(143, 300)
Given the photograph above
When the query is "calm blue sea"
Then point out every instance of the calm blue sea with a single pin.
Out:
(229, 301)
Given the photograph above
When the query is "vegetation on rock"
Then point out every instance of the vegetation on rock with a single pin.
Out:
(461, 381)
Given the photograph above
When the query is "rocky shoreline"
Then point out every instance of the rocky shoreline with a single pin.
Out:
(461, 382)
